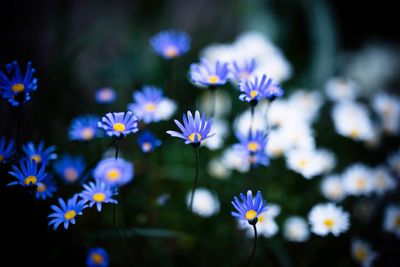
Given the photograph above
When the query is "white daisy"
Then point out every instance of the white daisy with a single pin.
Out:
(236, 159)
(243, 122)
(307, 102)
(388, 108)
(205, 203)
(382, 180)
(358, 180)
(283, 113)
(391, 221)
(394, 162)
(295, 229)
(266, 225)
(338, 89)
(362, 252)
(217, 169)
(332, 188)
(277, 143)
(220, 128)
(328, 218)
(222, 104)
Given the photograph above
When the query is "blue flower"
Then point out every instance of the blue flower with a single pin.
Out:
(243, 71)
(119, 124)
(114, 172)
(40, 154)
(274, 91)
(46, 188)
(84, 128)
(97, 257)
(150, 105)
(69, 168)
(194, 130)
(28, 173)
(207, 74)
(250, 208)
(170, 44)
(254, 91)
(148, 142)
(105, 95)
(17, 88)
(98, 193)
(254, 147)
(7, 151)
(66, 212)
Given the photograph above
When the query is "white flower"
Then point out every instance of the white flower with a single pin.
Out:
(352, 120)
(295, 229)
(338, 89)
(382, 180)
(165, 109)
(299, 136)
(283, 113)
(205, 203)
(394, 162)
(217, 169)
(328, 218)
(220, 128)
(332, 188)
(388, 108)
(358, 180)
(277, 143)
(362, 252)
(391, 222)
(243, 122)
(236, 159)
(222, 103)
(306, 102)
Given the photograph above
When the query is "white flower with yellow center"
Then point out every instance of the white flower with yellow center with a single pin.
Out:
(217, 169)
(391, 221)
(205, 203)
(328, 218)
(232, 158)
(358, 180)
(362, 253)
(339, 89)
(307, 102)
(332, 188)
(383, 180)
(295, 229)
(388, 108)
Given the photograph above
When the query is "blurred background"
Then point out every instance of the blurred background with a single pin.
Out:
(78, 47)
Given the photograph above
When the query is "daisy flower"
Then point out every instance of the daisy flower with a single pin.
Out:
(243, 70)
(332, 188)
(266, 224)
(221, 129)
(114, 172)
(383, 180)
(339, 89)
(310, 163)
(105, 95)
(394, 161)
(7, 149)
(232, 158)
(66, 213)
(84, 128)
(46, 188)
(388, 108)
(118, 124)
(253, 90)
(69, 168)
(254, 147)
(328, 218)
(217, 169)
(208, 74)
(249, 209)
(391, 221)
(39, 153)
(307, 102)
(362, 252)
(205, 203)
(97, 257)
(151, 106)
(295, 229)
(29, 173)
(358, 180)
(148, 142)
(170, 44)
(98, 193)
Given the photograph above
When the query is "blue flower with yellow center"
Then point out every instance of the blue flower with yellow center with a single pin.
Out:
(69, 168)
(7, 150)
(170, 44)
(254, 147)
(66, 212)
(84, 128)
(148, 142)
(39, 153)
(16, 88)
(29, 173)
(243, 71)
(105, 95)
(209, 74)
(97, 257)
(254, 90)
(114, 172)
(249, 209)
(119, 124)
(98, 193)
(194, 129)
(46, 188)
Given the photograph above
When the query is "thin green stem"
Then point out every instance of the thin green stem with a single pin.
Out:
(254, 246)
(196, 177)
(116, 148)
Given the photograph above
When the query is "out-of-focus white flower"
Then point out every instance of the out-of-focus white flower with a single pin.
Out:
(394, 162)
(266, 225)
(243, 122)
(375, 140)
(165, 109)
(220, 128)
(307, 102)
(205, 203)
(236, 159)
(217, 169)
(382, 180)
(358, 180)
(388, 108)
(338, 89)
(283, 113)
(391, 221)
(362, 253)
(295, 229)
(328, 218)
(223, 103)
(222, 52)
(277, 143)
(332, 188)
(352, 120)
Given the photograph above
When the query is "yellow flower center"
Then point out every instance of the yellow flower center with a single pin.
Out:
(360, 254)
(251, 215)
(354, 133)
(253, 93)
(99, 197)
(150, 107)
(361, 183)
(397, 221)
(261, 218)
(119, 127)
(171, 51)
(253, 146)
(70, 174)
(30, 180)
(302, 163)
(1, 158)
(146, 146)
(97, 258)
(70, 214)
(41, 187)
(213, 79)
(192, 137)
(36, 157)
(329, 223)
(87, 133)
(18, 88)
(113, 174)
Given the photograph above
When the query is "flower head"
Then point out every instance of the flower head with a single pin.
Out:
(69, 168)
(97, 257)
(391, 221)
(205, 203)
(84, 128)
(362, 252)
(98, 193)
(151, 106)
(254, 147)
(66, 212)
(114, 172)
(46, 188)
(243, 71)
(7, 149)
(328, 218)
(358, 180)
(250, 208)
(253, 90)
(148, 142)
(170, 44)
(16, 88)
(194, 129)
(28, 173)
(39, 153)
(332, 188)
(273, 91)
(118, 124)
(207, 74)
(266, 225)
(295, 229)
(105, 95)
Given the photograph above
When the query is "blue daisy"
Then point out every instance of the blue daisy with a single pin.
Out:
(46, 188)
(151, 106)
(119, 124)
(114, 172)
(274, 91)
(7, 149)
(242, 72)
(97, 257)
(28, 173)
(207, 74)
(254, 90)
(98, 193)
(16, 89)
(254, 147)
(84, 128)
(105, 95)
(70, 168)
(40, 154)
(170, 44)
(148, 142)
(66, 212)
(194, 130)
(250, 208)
